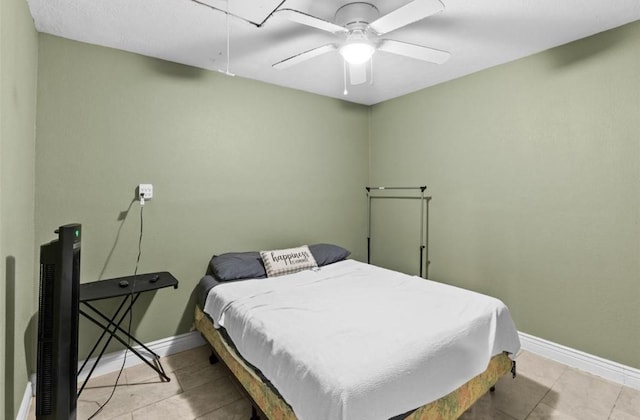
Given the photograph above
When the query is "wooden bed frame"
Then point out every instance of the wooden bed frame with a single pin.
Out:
(273, 407)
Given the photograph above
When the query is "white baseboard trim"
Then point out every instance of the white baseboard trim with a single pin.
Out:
(595, 365)
(113, 361)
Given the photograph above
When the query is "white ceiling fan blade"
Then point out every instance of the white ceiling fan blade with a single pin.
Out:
(414, 51)
(303, 56)
(411, 12)
(306, 19)
(358, 73)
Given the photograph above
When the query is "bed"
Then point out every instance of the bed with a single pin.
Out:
(347, 340)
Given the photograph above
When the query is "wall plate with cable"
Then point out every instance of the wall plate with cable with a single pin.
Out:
(145, 192)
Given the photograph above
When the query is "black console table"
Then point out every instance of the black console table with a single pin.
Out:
(129, 288)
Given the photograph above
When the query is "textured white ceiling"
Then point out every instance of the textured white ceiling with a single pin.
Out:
(478, 34)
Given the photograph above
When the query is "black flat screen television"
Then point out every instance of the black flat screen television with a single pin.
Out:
(57, 364)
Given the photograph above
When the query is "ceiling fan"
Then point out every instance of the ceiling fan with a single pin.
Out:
(360, 25)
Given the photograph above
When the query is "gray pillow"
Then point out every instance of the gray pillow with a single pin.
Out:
(238, 265)
(325, 254)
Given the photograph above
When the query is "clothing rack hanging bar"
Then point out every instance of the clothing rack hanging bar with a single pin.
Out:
(423, 188)
(396, 197)
(423, 226)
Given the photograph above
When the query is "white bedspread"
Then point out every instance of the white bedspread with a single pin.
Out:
(355, 341)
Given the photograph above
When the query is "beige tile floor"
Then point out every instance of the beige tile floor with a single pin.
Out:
(542, 390)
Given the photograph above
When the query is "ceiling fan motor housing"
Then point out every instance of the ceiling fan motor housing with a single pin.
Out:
(356, 15)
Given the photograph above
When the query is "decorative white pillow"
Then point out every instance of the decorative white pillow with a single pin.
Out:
(287, 261)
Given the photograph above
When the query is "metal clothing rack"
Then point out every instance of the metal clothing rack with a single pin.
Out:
(424, 222)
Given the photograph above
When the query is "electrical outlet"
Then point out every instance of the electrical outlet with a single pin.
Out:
(145, 191)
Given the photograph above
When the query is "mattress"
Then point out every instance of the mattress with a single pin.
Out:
(355, 341)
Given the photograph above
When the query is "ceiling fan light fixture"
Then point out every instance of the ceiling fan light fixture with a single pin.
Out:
(357, 52)
(357, 49)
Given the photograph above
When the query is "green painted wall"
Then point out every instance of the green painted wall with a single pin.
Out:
(534, 169)
(18, 65)
(236, 165)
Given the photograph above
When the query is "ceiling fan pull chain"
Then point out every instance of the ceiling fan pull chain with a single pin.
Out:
(344, 65)
(227, 72)
(371, 71)
(228, 36)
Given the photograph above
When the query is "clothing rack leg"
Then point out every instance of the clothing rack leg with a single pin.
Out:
(422, 230)
(368, 227)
